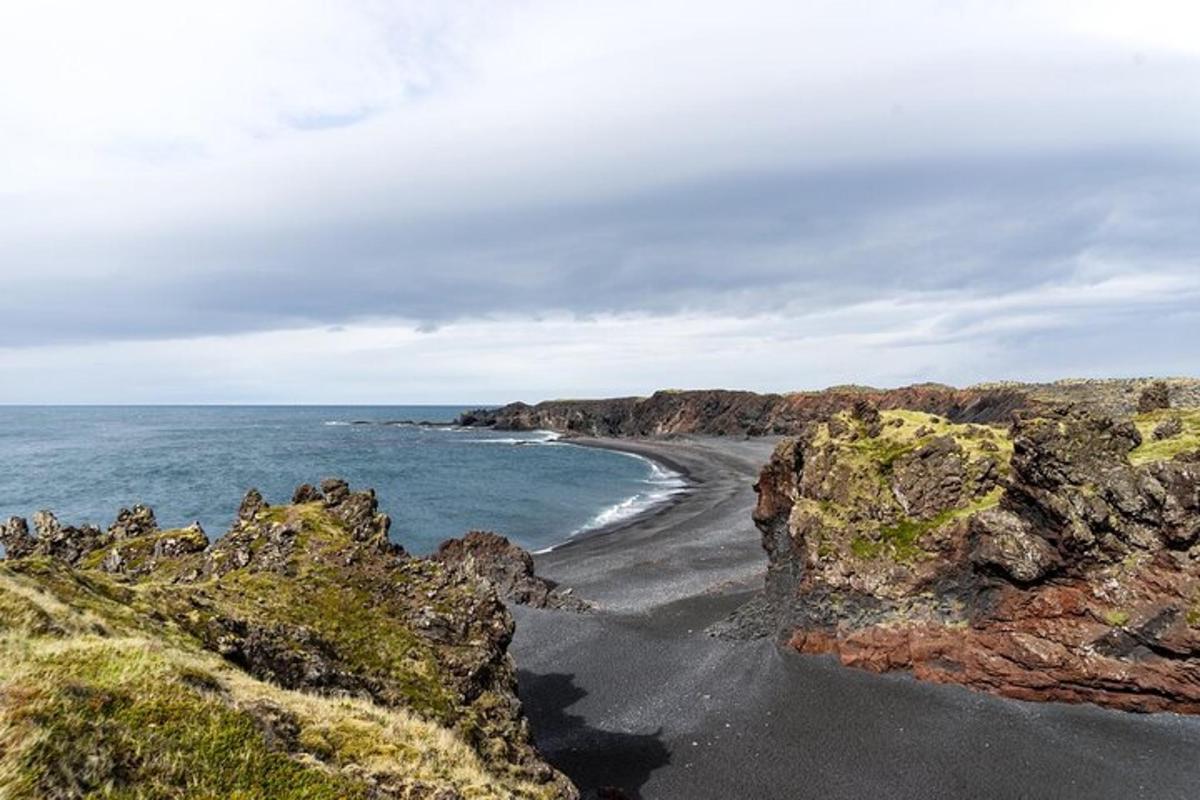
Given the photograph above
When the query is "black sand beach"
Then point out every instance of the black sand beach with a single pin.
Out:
(637, 696)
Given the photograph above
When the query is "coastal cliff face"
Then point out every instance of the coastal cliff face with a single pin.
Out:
(728, 413)
(731, 413)
(1056, 560)
(302, 654)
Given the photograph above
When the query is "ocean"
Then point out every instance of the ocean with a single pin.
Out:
(194, 463)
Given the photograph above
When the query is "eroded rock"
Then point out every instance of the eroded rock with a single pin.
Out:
(510, 569)
(312, 597)
(1008, 542)
(1168, 429)
(1068, 572)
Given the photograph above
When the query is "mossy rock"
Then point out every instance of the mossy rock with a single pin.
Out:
(879, 491)
(300, 656)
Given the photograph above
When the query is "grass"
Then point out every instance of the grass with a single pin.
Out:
(138, 552)
(1161, 450)
(127, 718)
(110, 689)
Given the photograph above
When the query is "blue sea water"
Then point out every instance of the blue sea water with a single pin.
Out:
(195, 463)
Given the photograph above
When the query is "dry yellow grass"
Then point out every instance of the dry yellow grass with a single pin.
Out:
(89, 707)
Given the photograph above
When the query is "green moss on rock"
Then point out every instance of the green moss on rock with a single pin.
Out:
(1161, 449)
(866, 494)
(228, 672)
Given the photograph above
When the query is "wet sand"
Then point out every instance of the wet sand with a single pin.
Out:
(637, 696)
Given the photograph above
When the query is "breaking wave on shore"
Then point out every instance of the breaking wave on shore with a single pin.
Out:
(662, 485)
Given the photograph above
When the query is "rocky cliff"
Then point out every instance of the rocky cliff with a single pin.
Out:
(301, 655)
(731, 413)
(1056, 559)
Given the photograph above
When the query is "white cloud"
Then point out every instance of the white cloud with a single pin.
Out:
(187, 168)
(938, 336)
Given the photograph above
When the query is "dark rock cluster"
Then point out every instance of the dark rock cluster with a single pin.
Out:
(313, 596)
(492, 557)
(1154, 397)
(73, 544)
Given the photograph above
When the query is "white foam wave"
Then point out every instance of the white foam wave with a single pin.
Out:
(665, 483)
(335, 422)
(534, 437)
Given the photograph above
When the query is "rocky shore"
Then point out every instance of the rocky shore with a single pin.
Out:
(650, 693)
(303, 654)
(995, 539)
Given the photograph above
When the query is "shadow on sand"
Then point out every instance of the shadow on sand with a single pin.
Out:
(594, 759)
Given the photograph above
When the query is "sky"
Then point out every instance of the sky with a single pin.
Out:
(477, 202)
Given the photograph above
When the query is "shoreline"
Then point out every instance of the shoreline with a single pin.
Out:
(638, 696)
(660, 507)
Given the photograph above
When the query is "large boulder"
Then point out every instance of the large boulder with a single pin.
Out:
(492, 557)
(1154, 397)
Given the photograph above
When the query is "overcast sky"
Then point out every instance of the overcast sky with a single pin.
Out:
(374, 202)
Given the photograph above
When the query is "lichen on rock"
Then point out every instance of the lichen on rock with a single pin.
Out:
(868, 503)
(1059, 561)
(332, 662)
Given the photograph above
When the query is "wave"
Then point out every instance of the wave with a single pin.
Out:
(401, 423)
(665, 484)
(534, 437)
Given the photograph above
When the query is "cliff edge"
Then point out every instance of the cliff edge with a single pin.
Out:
(301, 655)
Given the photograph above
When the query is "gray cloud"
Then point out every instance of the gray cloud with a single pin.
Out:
(744, 243)
(942, 183)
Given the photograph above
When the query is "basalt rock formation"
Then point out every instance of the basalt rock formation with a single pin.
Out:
(493, 558)
(1055, 560)
(731, 413)
(302, 654)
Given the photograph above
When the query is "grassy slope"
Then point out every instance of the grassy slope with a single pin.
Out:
(103, 695)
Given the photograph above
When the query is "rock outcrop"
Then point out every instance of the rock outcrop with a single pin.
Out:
(1059, 560)
(729, 413)
(303, 640)
(492, 557)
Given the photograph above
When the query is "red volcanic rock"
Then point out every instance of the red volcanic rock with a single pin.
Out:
(1079, 583)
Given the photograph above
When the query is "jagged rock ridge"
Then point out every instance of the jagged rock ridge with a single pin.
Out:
(326, 660)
